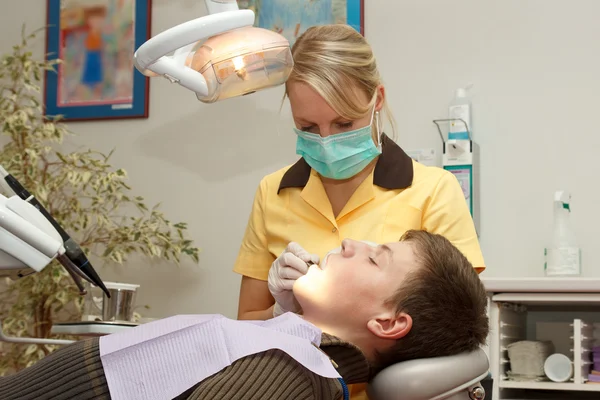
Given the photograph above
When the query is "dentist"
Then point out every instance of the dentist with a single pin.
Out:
(353, 181)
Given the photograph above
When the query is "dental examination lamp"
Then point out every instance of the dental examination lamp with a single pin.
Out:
(30, 239)
(218, 56)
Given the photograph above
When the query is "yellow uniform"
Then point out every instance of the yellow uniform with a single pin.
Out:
(400, 194)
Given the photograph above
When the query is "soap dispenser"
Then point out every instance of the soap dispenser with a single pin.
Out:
(563, 255)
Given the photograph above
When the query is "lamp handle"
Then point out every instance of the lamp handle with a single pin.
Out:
(151, 57)
(217, 6)
(187, 33)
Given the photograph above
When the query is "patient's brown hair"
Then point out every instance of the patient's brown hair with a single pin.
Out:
(445, 299)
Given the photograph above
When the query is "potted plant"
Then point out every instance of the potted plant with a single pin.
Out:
(82, 191)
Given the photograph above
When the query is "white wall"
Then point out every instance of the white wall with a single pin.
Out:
(535, 67)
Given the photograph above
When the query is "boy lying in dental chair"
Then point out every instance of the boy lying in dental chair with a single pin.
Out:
(364, 309)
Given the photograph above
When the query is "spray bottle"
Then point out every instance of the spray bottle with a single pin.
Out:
(563, 256)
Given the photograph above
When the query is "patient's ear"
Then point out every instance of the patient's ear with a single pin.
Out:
(390, 326)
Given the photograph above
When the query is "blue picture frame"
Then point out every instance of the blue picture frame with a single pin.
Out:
(355, 10)
(289, 22)
(86, 86)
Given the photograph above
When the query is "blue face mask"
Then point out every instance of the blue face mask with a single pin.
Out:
(339, 156)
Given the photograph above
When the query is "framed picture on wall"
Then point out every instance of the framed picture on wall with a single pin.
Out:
(95, 41)
(291, 18)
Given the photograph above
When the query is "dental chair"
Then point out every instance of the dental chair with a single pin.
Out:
(439, 378)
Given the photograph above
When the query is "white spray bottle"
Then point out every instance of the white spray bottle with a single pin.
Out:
(563, 256)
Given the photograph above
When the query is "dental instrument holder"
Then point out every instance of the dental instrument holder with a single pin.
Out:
(461, 158)
(29, 241)
(28, 245)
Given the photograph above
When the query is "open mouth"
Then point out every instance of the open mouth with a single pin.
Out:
(313, 269)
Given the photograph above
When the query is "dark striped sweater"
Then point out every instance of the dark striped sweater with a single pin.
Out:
(75, 373)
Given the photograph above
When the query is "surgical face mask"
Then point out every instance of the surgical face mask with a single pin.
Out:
(338, 250)
(339, 156)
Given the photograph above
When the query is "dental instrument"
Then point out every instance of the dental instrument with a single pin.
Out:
(30, 239)
(29, 242)
(218, 56)
(74, 259)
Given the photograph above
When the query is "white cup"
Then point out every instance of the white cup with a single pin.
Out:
(558, 368)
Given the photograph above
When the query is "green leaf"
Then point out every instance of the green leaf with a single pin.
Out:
(108, 251)
(32, 348)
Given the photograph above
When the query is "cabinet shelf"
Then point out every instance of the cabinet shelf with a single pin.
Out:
(545, 284)
(554, 299)
(582, 387)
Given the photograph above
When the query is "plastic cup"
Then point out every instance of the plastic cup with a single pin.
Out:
(558, 368)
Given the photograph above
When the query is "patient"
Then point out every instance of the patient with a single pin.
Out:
(376, 306)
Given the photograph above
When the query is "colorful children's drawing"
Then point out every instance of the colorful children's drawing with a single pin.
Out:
(96, 46)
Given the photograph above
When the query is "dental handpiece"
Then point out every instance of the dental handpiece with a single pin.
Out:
(75, 273)
(73, 251)
(310, 263)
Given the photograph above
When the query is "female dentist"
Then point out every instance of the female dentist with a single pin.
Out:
(352, 181)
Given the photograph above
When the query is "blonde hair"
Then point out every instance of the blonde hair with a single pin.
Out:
(337, 62)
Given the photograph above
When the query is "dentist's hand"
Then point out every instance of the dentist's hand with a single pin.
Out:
(288, 267)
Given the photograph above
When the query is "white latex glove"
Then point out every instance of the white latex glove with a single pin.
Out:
(288, 267)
